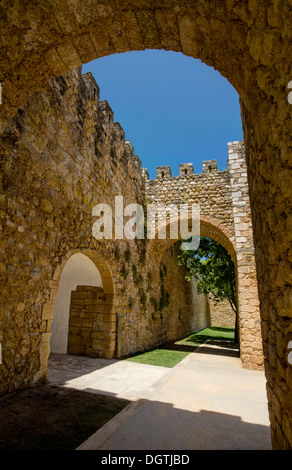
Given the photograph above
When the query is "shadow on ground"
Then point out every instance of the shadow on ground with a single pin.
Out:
(53, 418)
(56, 418)
(166, 427)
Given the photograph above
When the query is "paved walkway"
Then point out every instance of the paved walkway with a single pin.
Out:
(206, 402)
(121, 379)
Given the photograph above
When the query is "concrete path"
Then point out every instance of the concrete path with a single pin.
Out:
(206, 402)
(121, 379)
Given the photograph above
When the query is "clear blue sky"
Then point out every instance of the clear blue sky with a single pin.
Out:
(173, 109)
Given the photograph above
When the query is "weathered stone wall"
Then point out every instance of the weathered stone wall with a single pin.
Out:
(225, 216)
(221, 314)
(61, 155)
(210, 190)
(90, 327)
(248, 42)
(269, 162)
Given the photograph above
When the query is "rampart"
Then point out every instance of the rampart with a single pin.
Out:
(62, 154)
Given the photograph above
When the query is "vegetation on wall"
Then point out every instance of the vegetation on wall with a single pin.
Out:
(164, 294)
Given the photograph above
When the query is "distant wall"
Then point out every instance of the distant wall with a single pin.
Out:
(222, 314)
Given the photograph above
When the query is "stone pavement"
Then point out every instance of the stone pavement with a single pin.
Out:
(206, 402)
(121, 379)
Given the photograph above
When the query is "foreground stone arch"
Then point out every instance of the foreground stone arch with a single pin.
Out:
(250, 44)
(45, 40)
(48, 308)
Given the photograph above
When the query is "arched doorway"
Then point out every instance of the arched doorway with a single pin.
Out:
(105, 342)
(249, 332)
(78, 271)
(245, 42)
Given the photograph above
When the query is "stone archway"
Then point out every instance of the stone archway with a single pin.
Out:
(107, 310)
(44, 41)
(78, 271)
(250, 44)
(247, 296)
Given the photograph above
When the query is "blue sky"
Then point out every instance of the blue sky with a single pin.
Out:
(173, 109)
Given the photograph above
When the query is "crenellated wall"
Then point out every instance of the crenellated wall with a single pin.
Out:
(225, 215)
(62, 154)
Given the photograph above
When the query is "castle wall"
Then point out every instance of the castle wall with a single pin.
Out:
(61, 155)
(210, 190)
(221, 314)
(225, 216)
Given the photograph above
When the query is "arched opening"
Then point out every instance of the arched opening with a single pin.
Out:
(78, 271)
(215, 230)
(185, 310)
(245, 43)
(97, 298)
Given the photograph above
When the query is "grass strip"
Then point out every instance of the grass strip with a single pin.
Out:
(171, 354)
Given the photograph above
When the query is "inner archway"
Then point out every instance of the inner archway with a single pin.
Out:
(78, 271)
(100, 272)
(246, 285)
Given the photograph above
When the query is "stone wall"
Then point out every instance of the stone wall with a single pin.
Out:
(221, 314)
(61, 155)
(225, 216)
(91, 328)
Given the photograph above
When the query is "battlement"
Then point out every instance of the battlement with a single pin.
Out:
(106, 110)
(210, 166)
(104, 106)
(91, 85)
(235, 154)
(185, 170)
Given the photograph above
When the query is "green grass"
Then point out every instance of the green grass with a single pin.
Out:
(213, 332)
(160, 357)
(170, 354)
